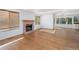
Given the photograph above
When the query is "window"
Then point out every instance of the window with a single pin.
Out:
(4, 19)
(57, 21)
(69, 20)
(37, 20)
(76, 20)
(8, 19)
(14, 19)
(62, 21)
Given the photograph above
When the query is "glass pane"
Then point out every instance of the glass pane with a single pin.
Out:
(4, 19)
(14, 19)
(62, 21)
(69, 20)
(37, 20)
(57, 21)
(76, 20)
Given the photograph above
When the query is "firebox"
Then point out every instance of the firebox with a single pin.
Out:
(28, 27)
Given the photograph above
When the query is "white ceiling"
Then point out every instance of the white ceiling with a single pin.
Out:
(37, 11)
(42, 11)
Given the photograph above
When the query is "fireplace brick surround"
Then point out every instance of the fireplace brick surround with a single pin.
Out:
(28, 26)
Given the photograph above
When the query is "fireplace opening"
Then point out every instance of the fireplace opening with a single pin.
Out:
(28, 27)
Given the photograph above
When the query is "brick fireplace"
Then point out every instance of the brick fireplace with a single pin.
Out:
(28, 26)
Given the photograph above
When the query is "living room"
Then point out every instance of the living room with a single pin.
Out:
(42, 26)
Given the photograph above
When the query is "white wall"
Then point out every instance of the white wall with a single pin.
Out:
(46, 21)
(65, 25)
(18, 30)
(25, 15)
(37, 27)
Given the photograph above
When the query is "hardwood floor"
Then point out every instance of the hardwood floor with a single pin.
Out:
(62, 39)
(4, 41)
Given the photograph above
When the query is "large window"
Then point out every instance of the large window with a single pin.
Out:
(66, 20)
(60, 21)
(8, 19)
